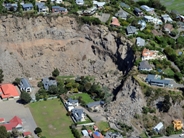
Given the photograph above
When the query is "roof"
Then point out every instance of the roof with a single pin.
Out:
(148, 17)
(124, 5)
(146, 8)
(14, 122)
(97, 134)
(109, 134)
(104, 17)
(137, 10)
(27, 133)
(140, 41)
(59, 8)
(2, 119)
(85, 133)
(131, 29)
(144, 65)
(47, 82)
(158, 126)
(99, 4)
(156, 79)
(25, 83)
(166, 17)
(27, 5)
(77, 114)
(8, 90)
(147, 52)
(122, 14)
(89, 105)
(72, 101)
(79, 1)
(115, 21)
(168, 26)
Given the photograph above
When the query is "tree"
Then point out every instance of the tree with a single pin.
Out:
(166, 104)
(178, 76)
(1, 76)
(3, 132)
(19, 6)
(15, 133)
(38, 130)
(25, 97)
(55, 73)
(53, 89)
(16, 81)
(49, 4)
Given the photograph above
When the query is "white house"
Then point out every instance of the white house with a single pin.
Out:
(79, 2)
(98, 4)
(151, 54)
(158, 127)
(152, 20)
(166, 18)
(148, 9)
(71, 104)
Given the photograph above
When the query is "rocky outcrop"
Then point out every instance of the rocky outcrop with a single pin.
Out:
(34, 47)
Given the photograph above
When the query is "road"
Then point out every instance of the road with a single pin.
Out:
(173, 136)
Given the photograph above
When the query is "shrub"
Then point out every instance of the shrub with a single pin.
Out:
(90, 20)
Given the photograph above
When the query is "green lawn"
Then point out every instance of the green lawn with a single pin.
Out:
(169, 72)
(85, 97)
(103, 125)
(51, 117)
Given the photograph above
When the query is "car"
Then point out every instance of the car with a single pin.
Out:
(181, 135)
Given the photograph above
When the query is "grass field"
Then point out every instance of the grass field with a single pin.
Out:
(85, 97)
(177, 5)
(51, 117)
(169, 72)
(103, 125)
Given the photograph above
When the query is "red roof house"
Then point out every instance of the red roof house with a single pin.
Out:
(2, 120)
(27, 133)
(8, 91)
(15, 122)
(115, 21)
(97, 134)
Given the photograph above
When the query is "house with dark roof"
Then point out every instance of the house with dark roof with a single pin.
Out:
(145, 66)
(42, 8)
(27, 6)
(131, 30)
(47, 82)
(138, 12)
(25, 85)
(140, 41)
(8, 91)
(71, 104)
(113, 135)
(148, 9)
(15, 122)
(95, 106)
(124, 5)
(11, 6)
(122, 14)
(157, 81)
(78, 115)
(58, 9)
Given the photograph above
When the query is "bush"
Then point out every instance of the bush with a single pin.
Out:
(55, 73)
(75, 132)
(38, 130)
(90, 20)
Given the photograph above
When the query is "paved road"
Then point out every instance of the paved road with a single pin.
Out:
(173, 136)
(9, 109)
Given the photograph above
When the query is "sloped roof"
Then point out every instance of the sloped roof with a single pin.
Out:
(131, 29)
(15, 121)
(115, 21)
(77, 114)
(140, 41)
(25, 83)
(144, 65)
(27, 133)
(97, 134)
(8, 90)
(27, 5)
(89, 105)
(121, 14)
(72, 101)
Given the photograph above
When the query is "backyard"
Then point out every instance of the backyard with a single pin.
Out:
(85, 97)
(51, 117)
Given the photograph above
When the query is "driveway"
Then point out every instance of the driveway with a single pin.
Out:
(11, 108)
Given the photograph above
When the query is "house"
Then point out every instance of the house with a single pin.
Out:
(90, 132)
(85, 133)
(104, 17)
(151, 54)
(15, 122)
(98, 4)
(59, 9)
(80, 2)
(97, 134)
(113, 135)
(47, 82)
(131, 30)
(26, 134)
(2, 120)
(124, 5)
(115, 22)
(8, 91)
(27, 6)
(25, 85)
(142, 23)
(122, 14)
(157, 81)
(166, 18)
(140, 41)
(158, 127)
(148, 9)
(178, 125)
(138, 12)
(11, 6)
(145, 66)
(168, 28)
(90, 11)
(95, 105)
(71, 104)
(78, 115)
(42, 8)
(152, 20)
(181, 18)
(156, 33)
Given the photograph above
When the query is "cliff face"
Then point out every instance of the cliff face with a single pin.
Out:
(34, 47)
